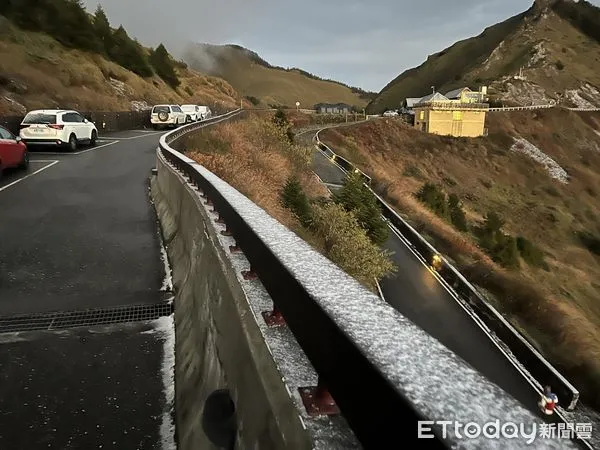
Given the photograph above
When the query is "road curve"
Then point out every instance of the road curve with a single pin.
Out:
(416, 293)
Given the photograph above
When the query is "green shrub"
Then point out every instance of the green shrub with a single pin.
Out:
(457, 214)
(590, 241)
(354, 196)
(346, 244)
(253, 100)
(435, 198)
(294, 198)
(530, 253)
(506, 252)
(559, 65)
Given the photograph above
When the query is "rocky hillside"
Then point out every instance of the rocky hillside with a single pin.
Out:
(556, 43)
(265, 84)
(39, 71)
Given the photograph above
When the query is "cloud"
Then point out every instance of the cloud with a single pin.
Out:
(362, 43)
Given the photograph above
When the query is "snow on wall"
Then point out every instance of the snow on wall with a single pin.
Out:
(440, 384)
(554, 169)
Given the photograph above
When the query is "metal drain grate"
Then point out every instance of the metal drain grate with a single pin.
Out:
(85, 318)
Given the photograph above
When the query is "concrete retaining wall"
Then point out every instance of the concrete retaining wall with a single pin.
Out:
(218, 341)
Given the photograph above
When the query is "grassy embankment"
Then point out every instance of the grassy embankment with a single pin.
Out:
(256, 156)
(553, 297)
(36, 71)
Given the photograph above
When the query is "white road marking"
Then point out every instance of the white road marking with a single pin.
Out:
(93, 148)
(146, 134)
(29, 175)
(75, 153)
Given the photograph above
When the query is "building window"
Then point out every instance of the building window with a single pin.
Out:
(422, 115)
(457, 115)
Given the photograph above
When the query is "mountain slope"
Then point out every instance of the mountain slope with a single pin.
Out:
(554, 42)
(250, 75)
(36, 71)
(556, 304)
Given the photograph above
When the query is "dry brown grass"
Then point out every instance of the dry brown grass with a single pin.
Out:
(256, 161)
(48, 75)
(561, 311)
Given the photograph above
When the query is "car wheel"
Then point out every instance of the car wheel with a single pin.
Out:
(94, 138)
(72, 146)
(25, 163)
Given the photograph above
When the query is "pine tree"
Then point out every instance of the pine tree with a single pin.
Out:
(294, 198)
(164, 66)
(129, 54)
(102, 30)
(354, 196)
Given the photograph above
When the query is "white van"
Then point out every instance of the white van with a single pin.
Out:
(205, 112)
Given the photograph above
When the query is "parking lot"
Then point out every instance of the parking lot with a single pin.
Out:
(78, 233)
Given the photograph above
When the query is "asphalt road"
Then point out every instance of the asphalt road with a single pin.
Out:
(78, 231)
(81, 233)
(416, 293)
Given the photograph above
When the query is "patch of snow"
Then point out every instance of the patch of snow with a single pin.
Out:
(21, 108)
(554, 169)
(574, 96)
(525, 93)
(495, 56)
(439, 384)
(165, 328)
(137, 105)
(118, 86)
(539, 55)
(167, 285)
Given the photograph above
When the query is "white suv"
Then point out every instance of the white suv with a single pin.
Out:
(192, 112)
(205, 112)
(170, 115)
(58, 127)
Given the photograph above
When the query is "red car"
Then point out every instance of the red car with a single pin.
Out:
(13, 152)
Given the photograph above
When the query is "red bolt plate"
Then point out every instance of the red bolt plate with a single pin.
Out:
(249, 275)
(234, 249)
(318, 402)
(273, 318)
(226, 233)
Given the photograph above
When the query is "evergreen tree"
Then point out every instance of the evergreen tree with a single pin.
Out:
(164, 66)
(102, 30)
(129, 54)
(294, 198)
(354, 196)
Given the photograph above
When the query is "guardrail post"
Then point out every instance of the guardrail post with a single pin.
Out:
(249, 274)
(273, 318)
(318, 401)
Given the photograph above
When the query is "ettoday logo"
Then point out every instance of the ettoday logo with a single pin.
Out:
(507, 430)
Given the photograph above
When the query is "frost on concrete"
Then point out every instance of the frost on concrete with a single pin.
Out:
(167, 284)
(554, 169)
(165, 329)
(438, 383)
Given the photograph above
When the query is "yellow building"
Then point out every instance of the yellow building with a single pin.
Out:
(459, 113)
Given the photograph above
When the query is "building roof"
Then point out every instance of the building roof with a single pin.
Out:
(435, 97)
(412, 101)
(332, 105)
(456, 92)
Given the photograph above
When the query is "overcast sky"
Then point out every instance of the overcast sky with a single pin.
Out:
(362, 43)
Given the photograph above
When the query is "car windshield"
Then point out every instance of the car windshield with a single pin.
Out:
(41, 118)
(159, 109)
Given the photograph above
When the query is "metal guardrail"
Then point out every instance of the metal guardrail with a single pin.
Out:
(453, 105)
(523, 351)
(384, 373)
